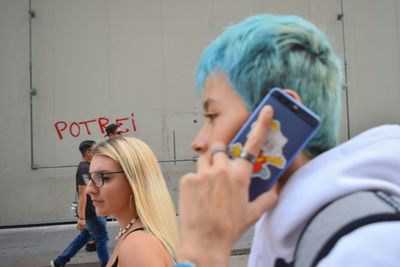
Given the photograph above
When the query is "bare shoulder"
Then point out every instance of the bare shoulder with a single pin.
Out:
(141, 248)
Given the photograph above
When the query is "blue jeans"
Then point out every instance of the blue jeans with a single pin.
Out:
(97, 227)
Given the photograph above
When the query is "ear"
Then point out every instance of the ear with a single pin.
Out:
(293, 94)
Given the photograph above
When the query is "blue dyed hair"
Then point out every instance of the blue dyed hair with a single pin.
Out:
(267, 51)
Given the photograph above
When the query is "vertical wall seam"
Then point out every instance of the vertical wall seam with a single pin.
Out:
(31, 90)
(345, 71)
(397, 7)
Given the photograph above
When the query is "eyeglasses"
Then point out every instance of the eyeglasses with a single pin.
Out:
(118, 133)
(98, 178)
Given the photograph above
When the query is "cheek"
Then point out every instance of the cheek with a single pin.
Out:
(224, 134)
(117, 195)
(230, 127)
(234, 129)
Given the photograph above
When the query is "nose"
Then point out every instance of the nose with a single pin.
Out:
(90, 188)
(200, 142)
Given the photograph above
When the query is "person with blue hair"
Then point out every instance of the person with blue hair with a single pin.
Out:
(235, 72)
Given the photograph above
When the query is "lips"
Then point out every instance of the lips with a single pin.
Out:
(97, 202)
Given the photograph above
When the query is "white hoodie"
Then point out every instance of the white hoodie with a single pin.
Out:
(370, 160)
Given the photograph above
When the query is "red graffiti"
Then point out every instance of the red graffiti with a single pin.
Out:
(86, 125)
(103, 122)
(74, 129)
(78, 128)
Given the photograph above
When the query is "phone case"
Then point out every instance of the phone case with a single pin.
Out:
(292, 128)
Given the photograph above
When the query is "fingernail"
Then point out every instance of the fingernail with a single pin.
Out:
(268, 109)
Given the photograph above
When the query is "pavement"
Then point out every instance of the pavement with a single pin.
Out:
(37, 246)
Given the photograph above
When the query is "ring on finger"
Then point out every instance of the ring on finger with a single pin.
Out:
(248, 156)
(217, 150)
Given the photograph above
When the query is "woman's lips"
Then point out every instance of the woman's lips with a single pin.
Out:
(97, 203)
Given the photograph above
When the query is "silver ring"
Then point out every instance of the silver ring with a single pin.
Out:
(248, 156)
(217, 150)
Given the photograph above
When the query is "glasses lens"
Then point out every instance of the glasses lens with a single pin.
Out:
(97, 178)
(86, 178)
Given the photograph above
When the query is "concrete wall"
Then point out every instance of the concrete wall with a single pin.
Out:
(98, 60)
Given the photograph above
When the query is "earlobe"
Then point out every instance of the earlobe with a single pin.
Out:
(293, 94)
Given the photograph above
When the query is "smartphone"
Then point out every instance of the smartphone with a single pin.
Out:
(292, 128)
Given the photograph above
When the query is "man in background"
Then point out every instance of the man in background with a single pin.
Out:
(113, 130)
(88, 223)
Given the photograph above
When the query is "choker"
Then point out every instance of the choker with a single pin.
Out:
(123, 231)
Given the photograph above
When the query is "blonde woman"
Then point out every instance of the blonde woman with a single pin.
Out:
(126, 182)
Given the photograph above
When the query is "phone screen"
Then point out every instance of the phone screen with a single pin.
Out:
(293, 126)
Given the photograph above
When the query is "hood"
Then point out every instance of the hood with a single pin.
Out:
(370, 160)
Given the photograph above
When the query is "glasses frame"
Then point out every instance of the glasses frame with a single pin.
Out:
(102, 174)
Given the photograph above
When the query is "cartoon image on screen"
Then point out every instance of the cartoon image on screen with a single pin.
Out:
(271, 153)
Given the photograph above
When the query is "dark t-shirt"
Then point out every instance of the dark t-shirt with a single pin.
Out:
(83, 169)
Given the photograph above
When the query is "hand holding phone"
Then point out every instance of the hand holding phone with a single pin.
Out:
(292, 128)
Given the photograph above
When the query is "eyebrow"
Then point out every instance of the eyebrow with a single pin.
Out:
(98, 171)
(207, 103)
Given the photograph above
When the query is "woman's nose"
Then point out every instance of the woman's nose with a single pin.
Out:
(90, 188)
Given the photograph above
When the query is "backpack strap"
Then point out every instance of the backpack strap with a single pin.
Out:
(339, 218)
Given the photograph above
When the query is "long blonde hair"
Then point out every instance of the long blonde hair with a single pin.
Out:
(152, 199)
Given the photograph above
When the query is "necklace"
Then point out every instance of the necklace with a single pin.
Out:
(123, 231)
